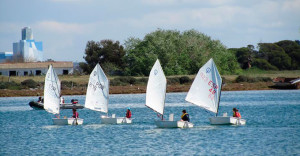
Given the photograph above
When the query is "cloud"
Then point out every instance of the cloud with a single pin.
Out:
(9, 27)
(181, 2)
(72, 1)
(198, 17)
(60, 27)
(291, 5)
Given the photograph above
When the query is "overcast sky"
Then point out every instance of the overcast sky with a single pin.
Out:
(65, 26)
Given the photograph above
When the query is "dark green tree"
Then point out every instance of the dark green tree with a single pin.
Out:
(107, 53)
(275, 55)
(244, 55)
(292, 48)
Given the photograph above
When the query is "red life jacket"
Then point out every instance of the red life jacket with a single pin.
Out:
(238, 115)
(75, 115)
(128, 114)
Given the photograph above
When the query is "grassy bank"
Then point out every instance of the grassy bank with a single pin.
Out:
(76, 85)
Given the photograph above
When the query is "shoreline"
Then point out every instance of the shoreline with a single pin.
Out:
(136, 89)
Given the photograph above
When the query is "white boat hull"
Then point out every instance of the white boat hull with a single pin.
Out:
(67, 121)
(115, 120)
(226, 121)
(173, 124)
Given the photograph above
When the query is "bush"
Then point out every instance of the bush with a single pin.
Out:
(263, 64)
(68, 84)
(142, 81)
(173, 80)
(184, 79)
(10, 85)
(126, 79)
(243, 78)
(3, 85)
(117, 82)
(264, 79)
(29, 83)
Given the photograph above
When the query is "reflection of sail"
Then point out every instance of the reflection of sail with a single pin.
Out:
(97, 91)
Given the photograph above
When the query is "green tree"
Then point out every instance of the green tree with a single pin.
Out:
(179, 53)
(244, 55)
(106, 52)
(263, 64)
(275, 55)
(293, 50)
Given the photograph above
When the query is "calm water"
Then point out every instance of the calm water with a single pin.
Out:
(273, 128)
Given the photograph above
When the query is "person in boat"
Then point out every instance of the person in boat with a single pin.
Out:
(39, 100)
(185, 116)
(236, 113)
(128, 113)
(75, 113)
(62, 100)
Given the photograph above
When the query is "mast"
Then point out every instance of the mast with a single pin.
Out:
(219, 99)
(107, 96)
(162, 118)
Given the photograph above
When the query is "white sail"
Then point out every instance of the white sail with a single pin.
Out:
(97, 91)
(52, 92)
(206, 88)
(156, 89)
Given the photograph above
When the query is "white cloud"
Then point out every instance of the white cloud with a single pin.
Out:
(201, 17)
(181, 2)
(72, 1)
(60, 27)
(8, 27)
(291, 5)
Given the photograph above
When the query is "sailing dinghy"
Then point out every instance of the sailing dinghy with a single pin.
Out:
(205, 92)
(97, 97)
(155, 98)
(52, 92)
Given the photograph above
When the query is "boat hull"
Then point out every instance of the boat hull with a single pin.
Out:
(173, 124)
(67, 121)
(227, 121)
(36, 105)
(115, 120)
(40, 106)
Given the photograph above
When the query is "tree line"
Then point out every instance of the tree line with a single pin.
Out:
(282, 55)
(183, 53)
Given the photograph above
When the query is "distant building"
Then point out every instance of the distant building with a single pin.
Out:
(27, 48)
(6, 56)
(35, 68)
(27, 34)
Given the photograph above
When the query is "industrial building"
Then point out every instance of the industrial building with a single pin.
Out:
(35, 68)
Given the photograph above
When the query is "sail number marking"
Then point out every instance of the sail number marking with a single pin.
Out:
(97, 85)
(214, 86)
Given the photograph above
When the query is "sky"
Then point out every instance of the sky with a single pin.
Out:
(65, 26)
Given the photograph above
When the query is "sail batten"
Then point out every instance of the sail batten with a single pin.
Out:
(156, 89)
(205, 90)
(52, 92)
(97, 91)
